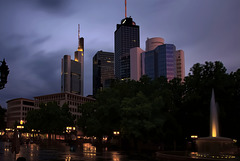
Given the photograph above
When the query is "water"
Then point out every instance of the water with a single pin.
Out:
(213, 117)
(61, 152)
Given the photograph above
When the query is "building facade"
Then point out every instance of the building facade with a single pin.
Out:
(126, 37)
(152, 43)
(159, 60)
(149, 60)
(17, 110)
(73, 101)
(136, 63)
(72, 71)
(103, 70)
(165, 62)
(180, 64)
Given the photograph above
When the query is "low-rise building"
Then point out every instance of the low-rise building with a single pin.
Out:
(73, 101)
(17, 110)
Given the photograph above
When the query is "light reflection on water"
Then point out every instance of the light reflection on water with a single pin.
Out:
(89, 151)
(60, 152)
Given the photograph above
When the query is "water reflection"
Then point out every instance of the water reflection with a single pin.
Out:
(196, 155)
(89, 150)
(68, 159)
(115, 156)
(60, 152)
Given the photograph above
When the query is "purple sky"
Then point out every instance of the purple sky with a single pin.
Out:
(34, 35)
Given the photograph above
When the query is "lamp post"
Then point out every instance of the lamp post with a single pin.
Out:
(4, 71)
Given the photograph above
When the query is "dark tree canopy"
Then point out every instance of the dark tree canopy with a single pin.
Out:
(2, 115)
(163, 111)
(50, 118)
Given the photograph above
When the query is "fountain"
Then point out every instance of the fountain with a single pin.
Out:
(215, 146)
(212, 148)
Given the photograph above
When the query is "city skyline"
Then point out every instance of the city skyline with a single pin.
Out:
(36, 35)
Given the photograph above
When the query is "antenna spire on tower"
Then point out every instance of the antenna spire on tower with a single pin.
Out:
(125, 8)
(78, 31)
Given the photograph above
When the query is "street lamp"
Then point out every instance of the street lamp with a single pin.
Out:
(116, 132)
(4, 71)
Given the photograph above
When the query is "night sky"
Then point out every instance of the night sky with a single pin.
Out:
(36, 34)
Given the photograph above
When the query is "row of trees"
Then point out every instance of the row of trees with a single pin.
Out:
(166, 112)
(154, 111)
(49, 119)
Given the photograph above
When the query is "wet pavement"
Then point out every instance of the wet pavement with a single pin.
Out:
(61, 152)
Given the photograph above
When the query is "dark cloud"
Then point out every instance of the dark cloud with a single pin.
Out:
(41, 40)
(36, 34)
(33, 75)
(53, 4)
(57, 7)
(32, 72)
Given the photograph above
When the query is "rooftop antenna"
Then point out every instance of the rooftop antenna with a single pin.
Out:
(125, 8)
(79, 44)
(78, 31)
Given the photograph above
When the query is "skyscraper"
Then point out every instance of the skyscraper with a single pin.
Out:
(126, 37)
(103, 70)
(136, 64)
(72, 74)
(159, 60)
(180, 64)
(152, 43)
(165, 62)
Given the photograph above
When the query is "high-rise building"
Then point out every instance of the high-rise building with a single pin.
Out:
(126, 37)
(180, 64)
(159, 60)
(103, 70)
(164, 61)
(154, 42)
(136, 63)
(72, 74)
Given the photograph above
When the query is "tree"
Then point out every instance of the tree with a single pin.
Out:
(196, 102)
(50, 118)
(166, 112)
(2, 116)
(136, 117)
(88, 122)
(136, 109)
(231, 107)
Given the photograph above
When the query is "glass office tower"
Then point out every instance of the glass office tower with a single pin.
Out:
(103, 70)
(126, 37)
(161, 62)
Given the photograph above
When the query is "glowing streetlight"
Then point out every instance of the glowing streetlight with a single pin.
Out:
(20, 127)
(116, 132)
(69, 129)
(194, 136)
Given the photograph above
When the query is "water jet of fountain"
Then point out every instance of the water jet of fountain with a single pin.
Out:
(214, 130)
